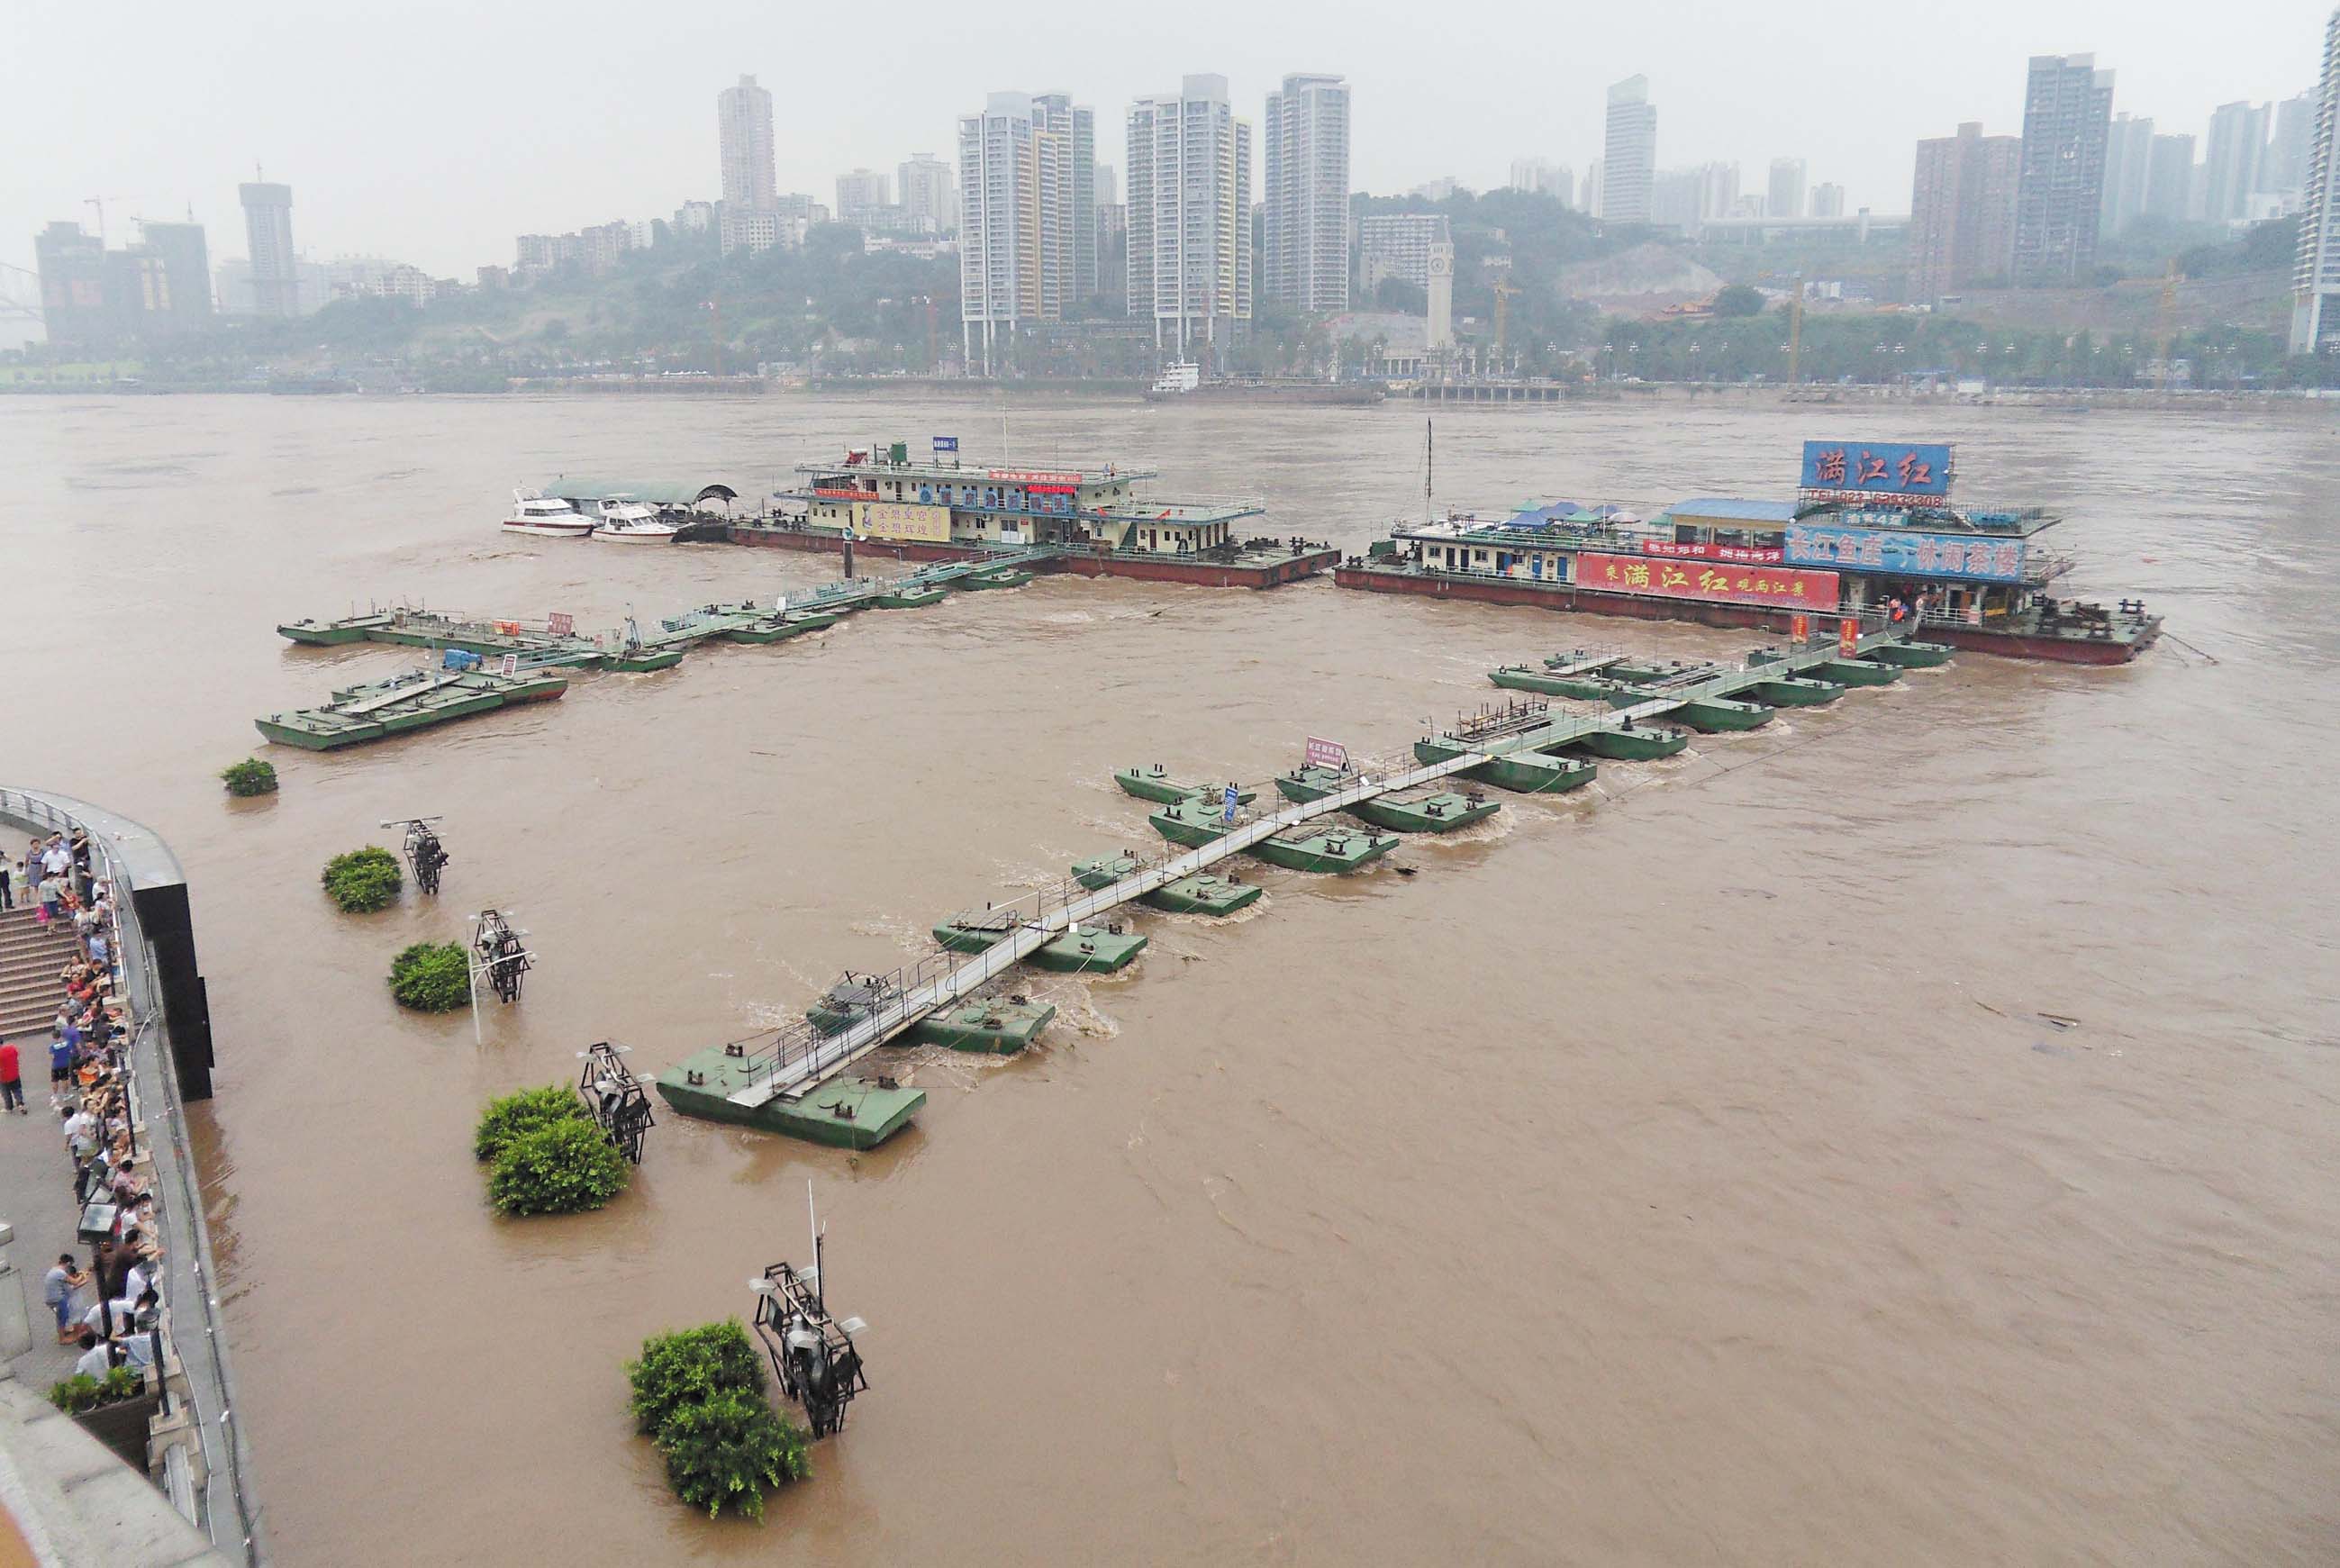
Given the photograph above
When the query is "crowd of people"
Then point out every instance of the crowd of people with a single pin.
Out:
(112, 1308)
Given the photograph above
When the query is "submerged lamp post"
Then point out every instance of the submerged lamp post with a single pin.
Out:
(498, 957)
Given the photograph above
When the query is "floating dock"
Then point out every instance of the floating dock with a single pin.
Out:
(405, 703)
(785, 1080)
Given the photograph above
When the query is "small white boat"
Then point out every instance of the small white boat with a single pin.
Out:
(628, 522)
(545, 514)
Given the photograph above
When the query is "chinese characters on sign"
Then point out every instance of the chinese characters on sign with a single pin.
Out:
(1728, 584)
(1907, 472)
(561, 624)
(1847, 637)
(1327, 753)
(1908, 554)
(905, 520)
(1032, 476)
(1740, 554)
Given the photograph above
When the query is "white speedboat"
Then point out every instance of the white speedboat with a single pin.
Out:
(627, 522)
(546, 514)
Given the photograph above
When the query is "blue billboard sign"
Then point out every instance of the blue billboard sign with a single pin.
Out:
(1900, 554)
(1894, 470)
(946, 443)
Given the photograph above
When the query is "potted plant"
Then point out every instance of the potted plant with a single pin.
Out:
(116, 1409)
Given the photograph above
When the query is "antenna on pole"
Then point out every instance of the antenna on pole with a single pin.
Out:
(820, 1274)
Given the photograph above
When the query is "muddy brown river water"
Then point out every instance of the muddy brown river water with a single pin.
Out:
(1678, 1172)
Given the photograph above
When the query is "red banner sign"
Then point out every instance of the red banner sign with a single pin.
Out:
(1784, 585)
(1327, 753)
(1847, 637)
(1032, 476)
(560, 625)
(1737, 554)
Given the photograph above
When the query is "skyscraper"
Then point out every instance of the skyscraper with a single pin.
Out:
(743, 122)
(2067, 109)
(861, 195)
(1305, 235)
(72, 283)
(1012, 217)
(2128, 169)
(1828, 199)
(1785, 196)
(929, 205)
(2284, 172)
(2315, 280)
(2169, 179)
(1074, 126)
(1189, 181)
(268, 230)
(1543, 176)
(1629, 153)
(2230, 161)
(1962, 211)
(176, 293)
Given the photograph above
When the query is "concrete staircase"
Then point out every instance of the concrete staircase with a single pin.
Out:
(31, 954)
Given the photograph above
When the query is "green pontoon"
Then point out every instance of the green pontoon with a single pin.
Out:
(1722, 713)
(1522, 677)
(1305, 849)
(1155, 784)
(335, 633)
(1858, 671)
(1203, 893)
(912, 596)
(1083, 948)
(1641, 742)
(415, 700)
(1005, 577)
(843, 1112)
(991, 1027)
(1523, 772)
(1911, 655)
(1439, 811)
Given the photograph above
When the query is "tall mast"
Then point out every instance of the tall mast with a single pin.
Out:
(1429, 460)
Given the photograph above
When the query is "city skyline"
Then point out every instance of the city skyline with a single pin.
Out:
(166, 136)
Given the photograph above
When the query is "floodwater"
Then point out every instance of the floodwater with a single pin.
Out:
(1686, 1171)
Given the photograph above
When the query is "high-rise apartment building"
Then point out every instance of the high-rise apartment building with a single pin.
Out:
(1686, 198)
(1012, 217)
(1075, 125)
(2128, 170)
(1304, 236)
(2284, 172)
(2067, 111)
(2231, 158)
(743, 122)
(2315, 278)
(1593, 182)
(268, 230)
(72, 283)
(2169, 179)
(1828, 199)
(862, 196)
(929, 202)
(1188, 176)
(1784, 196)
(1962, 211)
(1541, 176)
(1400, 245)
(1629, 153)
(175, 277)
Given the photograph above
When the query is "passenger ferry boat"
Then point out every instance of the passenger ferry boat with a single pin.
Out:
(940, 509)
(1872, 527)
(625, 520)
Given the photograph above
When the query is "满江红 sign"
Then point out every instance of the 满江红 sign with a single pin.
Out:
(1902, 471)
(1327, 754)
(561, 624)
(1902, 553)
(1778, 585)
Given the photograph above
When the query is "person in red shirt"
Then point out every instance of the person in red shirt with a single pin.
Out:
(12, 1081)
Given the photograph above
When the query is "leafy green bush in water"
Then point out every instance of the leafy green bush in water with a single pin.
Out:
(729, 1449)
(363, 880)
(431, 977)
(508, 1118)
(558, 1169)
(250, 777)
(691, 1364)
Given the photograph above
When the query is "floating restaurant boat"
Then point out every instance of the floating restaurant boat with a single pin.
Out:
(1872, 526)
(415, 700)
(1095, 517)
(1434, 811)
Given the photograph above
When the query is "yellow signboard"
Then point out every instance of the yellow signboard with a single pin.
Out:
(905, 519)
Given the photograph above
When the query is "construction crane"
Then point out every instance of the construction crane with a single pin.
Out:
(1505, 289)
(2165, 319)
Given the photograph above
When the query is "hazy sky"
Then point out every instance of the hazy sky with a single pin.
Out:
(436, 132)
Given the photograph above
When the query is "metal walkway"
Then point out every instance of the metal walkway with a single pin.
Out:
(801, 1057)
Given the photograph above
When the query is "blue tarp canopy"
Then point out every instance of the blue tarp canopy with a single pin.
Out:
(1719, 508)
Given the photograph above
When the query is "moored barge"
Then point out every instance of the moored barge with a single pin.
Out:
(1872, 531)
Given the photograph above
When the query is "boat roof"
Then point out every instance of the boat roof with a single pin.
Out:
(1046, 475)
(657, 492)
(1726, 509)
